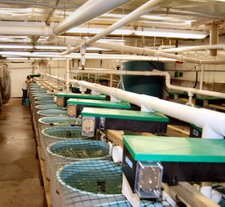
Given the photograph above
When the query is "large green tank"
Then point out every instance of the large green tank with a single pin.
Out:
(150, 85)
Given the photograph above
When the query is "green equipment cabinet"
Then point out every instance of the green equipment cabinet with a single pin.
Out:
(128, 120)
(75, 106)
(63, 97)
(148, 161)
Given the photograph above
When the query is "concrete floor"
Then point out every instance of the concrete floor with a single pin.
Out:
(20, 185)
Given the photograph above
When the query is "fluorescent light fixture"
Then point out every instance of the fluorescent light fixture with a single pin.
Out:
(98, 30)
(123, 32)
(9, 46)
(96, 48)
(16, 58)
(111, 15)
(169, 33)
(118, 41)
(50, 47)
(14, 39)
(85, 30)
(153, 32)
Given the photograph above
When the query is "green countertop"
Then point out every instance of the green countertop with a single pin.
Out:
(98, 103)
(175, 149)
(81, 96)
(124, 114)
(205, 98)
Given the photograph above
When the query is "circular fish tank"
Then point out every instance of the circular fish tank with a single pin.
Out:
(90, 183)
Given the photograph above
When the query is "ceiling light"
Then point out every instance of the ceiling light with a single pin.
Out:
(183, 34)
(98, 30)
(85, 30)
(50, 47)
(15, 46)
(118, 41)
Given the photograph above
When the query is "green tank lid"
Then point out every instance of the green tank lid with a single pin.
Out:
(124, 114)
(99, 103)
(81, 96)
(175, 149)
(208, 98)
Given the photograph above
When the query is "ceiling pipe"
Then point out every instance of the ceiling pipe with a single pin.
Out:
(166, 75)
(85, 13)
(147, 52)
(213, 123)
(194, 48)
(145, 8)
(26, 30)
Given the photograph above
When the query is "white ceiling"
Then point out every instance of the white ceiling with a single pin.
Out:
(174, 15)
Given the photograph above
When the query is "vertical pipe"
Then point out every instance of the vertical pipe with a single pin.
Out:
(111, 80)
(67, 74)
(201, 77)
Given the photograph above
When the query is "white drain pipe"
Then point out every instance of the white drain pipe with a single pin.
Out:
(88, 11)
(212, 122)
(194, 48)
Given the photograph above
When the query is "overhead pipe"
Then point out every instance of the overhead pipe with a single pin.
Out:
(166, 75)
(212, 122)
(149, 52)
(194, 48)
(145, 8)
(88, 11)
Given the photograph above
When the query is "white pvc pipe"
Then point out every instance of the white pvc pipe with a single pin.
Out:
(86, 12)
(149, 52)
(67, 74)
(201, 77)
(154, 73)
(212, 122)
(25, 30)
(194, 48)
(145, 8)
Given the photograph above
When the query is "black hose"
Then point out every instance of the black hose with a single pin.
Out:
(196, 79)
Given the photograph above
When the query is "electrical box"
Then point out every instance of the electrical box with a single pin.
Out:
(148, 179)
(88, 126)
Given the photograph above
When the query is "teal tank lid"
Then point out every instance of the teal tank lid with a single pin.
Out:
(175, 149)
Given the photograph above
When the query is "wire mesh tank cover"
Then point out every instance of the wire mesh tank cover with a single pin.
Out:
(47, 106)
(90, 183)
(52, 112)
(65, 152)
(42, 102)
(58, 121)
(60, 133)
